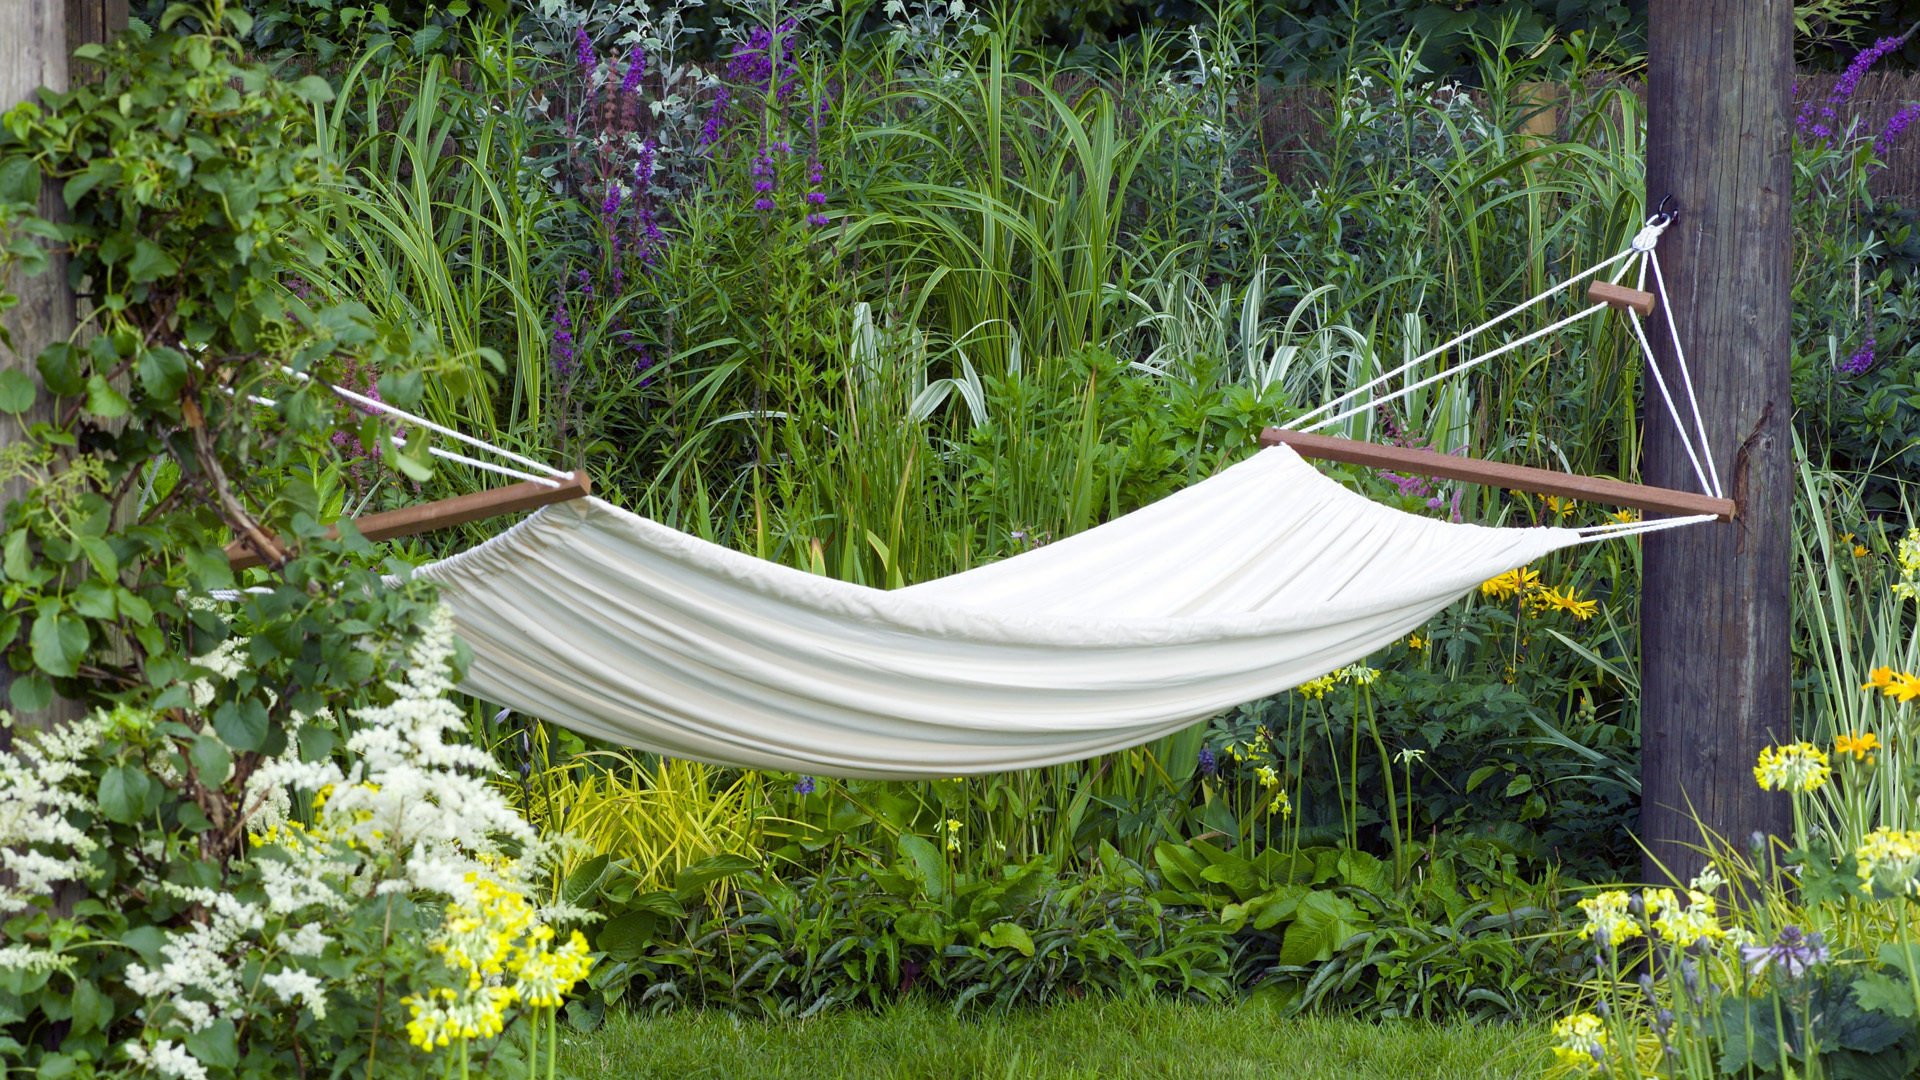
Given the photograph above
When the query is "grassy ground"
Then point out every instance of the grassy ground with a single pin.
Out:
(1107, 1040)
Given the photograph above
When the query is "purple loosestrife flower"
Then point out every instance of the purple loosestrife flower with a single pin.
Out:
(583, 52)
(716, 116)
(562, 338)
(804, 787)
(1896, 126)
(1818, 119)
(636, 70)
(1859, 360)
(1794, 953)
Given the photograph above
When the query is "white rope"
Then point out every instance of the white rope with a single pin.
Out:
(1659, 380)
(1467, 365)
(440, 429)
(1615, 529)
(439, 452)
(1437, 350)
(1686, 377)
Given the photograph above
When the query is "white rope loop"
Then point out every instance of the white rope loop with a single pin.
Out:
(1451, 343)
(377, 405)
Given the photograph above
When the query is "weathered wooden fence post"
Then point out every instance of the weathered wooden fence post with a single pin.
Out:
(1714, 615)
(36, 37)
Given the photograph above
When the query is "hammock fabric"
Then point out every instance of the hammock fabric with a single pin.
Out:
(1255, 580)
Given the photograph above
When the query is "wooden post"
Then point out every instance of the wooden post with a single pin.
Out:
(1714, 610)
(36, 37)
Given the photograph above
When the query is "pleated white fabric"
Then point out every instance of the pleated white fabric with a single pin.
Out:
(1255, 580)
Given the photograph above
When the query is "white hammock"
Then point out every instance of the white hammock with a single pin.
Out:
(1238, 587)
(1258, 579)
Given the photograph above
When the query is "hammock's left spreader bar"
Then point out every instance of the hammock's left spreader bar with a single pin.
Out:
(446, 513)
(1596, 489)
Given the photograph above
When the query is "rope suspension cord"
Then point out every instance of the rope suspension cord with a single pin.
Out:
(1640, 256)
(439, 452)
(377, 405)
(1457, 340)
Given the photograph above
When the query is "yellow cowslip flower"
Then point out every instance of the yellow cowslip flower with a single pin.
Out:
(1317, 688)
(1358, 674)
(1510, 584)
(1280, 804)
(1862, 747)
(1682, 926)
(1268, 778)
(1580, 1041)
(1891, 856)
(953, 834)
(1907, 558)
(1607, 916)
(544, 976)
(1797, 766)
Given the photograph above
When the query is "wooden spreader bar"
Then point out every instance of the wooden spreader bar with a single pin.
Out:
(1606, 292)
(1595, 489)
(445, 513)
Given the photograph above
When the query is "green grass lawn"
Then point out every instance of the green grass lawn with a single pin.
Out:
(1107, 1040)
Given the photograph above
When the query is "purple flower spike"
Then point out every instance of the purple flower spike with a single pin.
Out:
(562, 338)
(1209, 764)
(816, 220)
(1896, 126)
(763, 204)
(715, 117)
(1860, 360)
(636, 70)
(583, 51)
(804, 787)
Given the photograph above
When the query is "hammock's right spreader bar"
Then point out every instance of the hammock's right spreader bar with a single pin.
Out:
(1595, 489)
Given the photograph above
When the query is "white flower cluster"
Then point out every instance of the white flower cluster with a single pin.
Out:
(39, 846)
(168, 1059)
(196, 979)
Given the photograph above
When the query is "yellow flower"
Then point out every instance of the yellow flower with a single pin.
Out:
(1897, 685)
(1907, 556)
(1358, 674)
(1268, 778)
(1625, 517)
(1607, 915)
(1683, 926)
(1891, 856)
(1795, 767)
(1416, 642)
(1569, 602)
(953, 834)
(1557, 505)
(1581, 1041)
(1862, 747)
(1510, 584)
(1280, 804)
(1317, 688)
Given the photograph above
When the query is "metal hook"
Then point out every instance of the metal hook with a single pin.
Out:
(1663, 215)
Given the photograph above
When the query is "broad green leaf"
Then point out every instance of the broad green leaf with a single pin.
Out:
(1008, 935)
(30, 693)
(16, 391)
(920, 861)
(212, 761)
(150, 262)
(59, 641)
(124, 791)
(242, 725)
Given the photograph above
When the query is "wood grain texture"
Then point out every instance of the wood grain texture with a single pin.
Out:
(444, 513)
(1594, 489)
(1714, 613)
(1606, 292)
